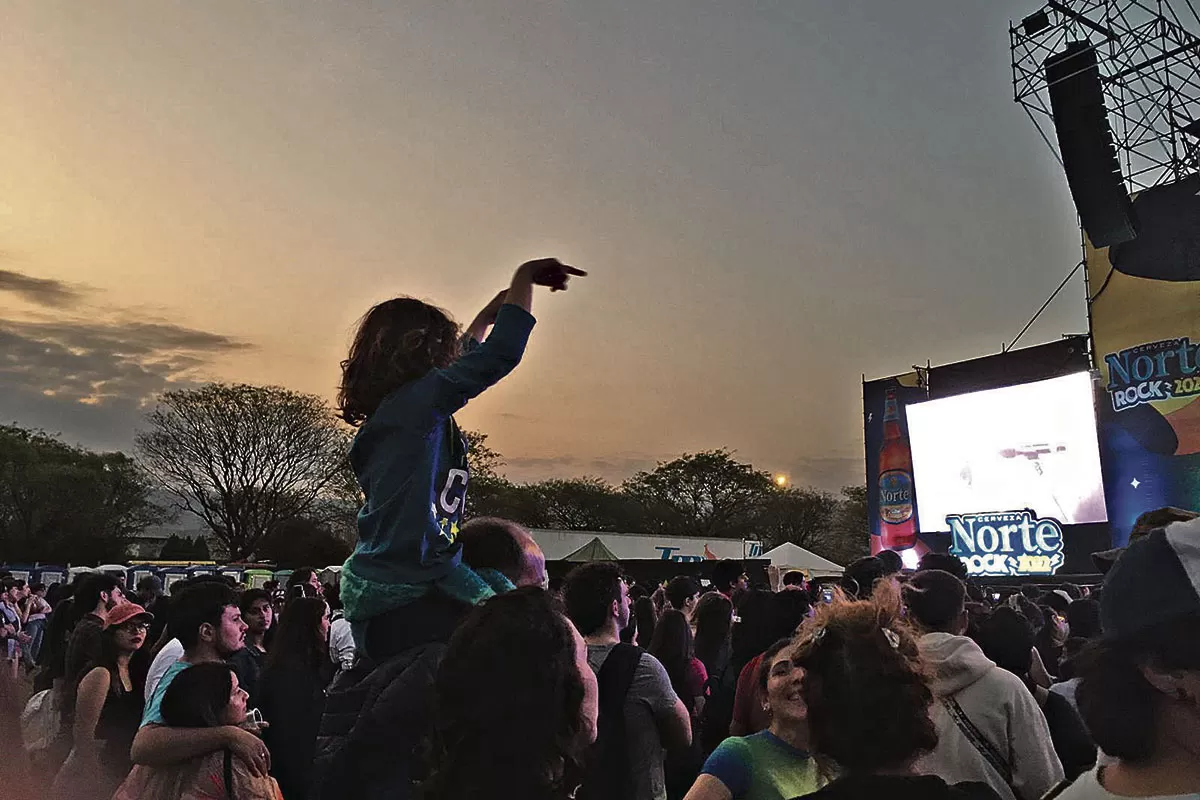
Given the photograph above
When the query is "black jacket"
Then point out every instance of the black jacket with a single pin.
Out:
(375, 719)
(377, 714)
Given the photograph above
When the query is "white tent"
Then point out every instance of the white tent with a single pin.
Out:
(789, 556)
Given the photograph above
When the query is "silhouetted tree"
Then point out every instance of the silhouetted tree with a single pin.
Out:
(245, 459)
(65, 504)
(701, 494)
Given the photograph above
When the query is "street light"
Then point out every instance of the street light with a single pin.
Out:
(781, 481)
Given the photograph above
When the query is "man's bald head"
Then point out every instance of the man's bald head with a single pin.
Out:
(505, 546)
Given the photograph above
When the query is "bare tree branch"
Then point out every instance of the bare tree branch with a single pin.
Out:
(245, 459)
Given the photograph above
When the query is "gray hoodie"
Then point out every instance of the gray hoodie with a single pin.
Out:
(1001, 708)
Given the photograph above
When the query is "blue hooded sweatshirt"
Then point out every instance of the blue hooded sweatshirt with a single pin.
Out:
(411, 461)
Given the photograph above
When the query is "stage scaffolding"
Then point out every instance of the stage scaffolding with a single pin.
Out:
(1150, 70)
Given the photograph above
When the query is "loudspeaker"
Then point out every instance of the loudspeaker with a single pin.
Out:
(1086, 144)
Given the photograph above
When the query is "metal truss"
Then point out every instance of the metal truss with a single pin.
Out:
(1150, 71)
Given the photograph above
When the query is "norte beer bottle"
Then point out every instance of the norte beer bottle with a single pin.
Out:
(898, 524)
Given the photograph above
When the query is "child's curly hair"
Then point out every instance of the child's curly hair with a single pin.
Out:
(865, 684)
(397, 341)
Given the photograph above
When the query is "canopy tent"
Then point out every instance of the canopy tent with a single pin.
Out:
(592, 551)
(790, 556)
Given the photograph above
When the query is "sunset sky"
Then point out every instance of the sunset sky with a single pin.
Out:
(772, 199)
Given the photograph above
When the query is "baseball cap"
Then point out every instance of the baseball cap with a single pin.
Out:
(1157, 578)
(125, 612)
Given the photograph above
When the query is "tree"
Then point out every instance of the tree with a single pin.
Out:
(706, 494)
(65, 504)
(586, 504)
(850, 533)
(483, 462)
(803, 517)
(304, 542)
(184, 548)
(244, 459)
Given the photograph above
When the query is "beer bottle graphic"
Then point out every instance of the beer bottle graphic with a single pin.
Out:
(898, 530)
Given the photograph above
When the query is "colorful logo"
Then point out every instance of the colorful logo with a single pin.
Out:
(1152, 372)
(1007, 543)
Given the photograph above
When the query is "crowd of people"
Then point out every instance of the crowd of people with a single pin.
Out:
(902, 684)
(447, 666)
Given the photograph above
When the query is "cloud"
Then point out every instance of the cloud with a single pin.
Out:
(40, 291)
(88, 372)
(94, 362)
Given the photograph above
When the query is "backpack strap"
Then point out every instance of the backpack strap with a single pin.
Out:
(609, 771)
(228, 774)
(978, 740)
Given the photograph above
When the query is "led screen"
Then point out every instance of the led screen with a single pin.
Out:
(1029, 446)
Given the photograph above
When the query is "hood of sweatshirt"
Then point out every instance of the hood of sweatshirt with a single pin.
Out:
(957, 661)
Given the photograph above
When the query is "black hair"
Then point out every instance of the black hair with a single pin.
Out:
(945, 562)
(299, 577)
(672, 646)
(793, 578)
(788, 610)
(250, 597)
(891, 561)
(91, 586)
(1055, 601)
(298, 642)
(726, 573)
(714, 628)
(198, 696)
(512, 654)
(488, 543)
(859, 578)
(200, 603)
(934, 599)
(680, 589)
(1006, 637)
(589, 592)
(645, 618)
(1083, 618)
(34, 588)
(397, 342)
(1119, 705)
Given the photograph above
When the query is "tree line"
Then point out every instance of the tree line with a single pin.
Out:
(265, 470)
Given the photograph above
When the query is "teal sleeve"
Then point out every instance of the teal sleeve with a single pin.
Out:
(152, 714)
(730, 764)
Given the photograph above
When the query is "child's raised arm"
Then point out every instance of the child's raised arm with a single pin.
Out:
(541, 272)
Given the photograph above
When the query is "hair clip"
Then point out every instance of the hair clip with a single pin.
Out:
(892, 637)
(817, 635)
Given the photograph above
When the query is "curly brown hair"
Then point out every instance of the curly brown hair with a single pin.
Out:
(865, 685)
(397, 341)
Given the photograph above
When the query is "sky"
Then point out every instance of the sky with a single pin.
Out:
(772, 199)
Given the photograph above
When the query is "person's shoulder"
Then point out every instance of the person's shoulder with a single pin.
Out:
(174, 669)
(1000, 681)
(736, 745)
(649, 665)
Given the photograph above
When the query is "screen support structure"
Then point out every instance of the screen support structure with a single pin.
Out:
(1150, 72)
